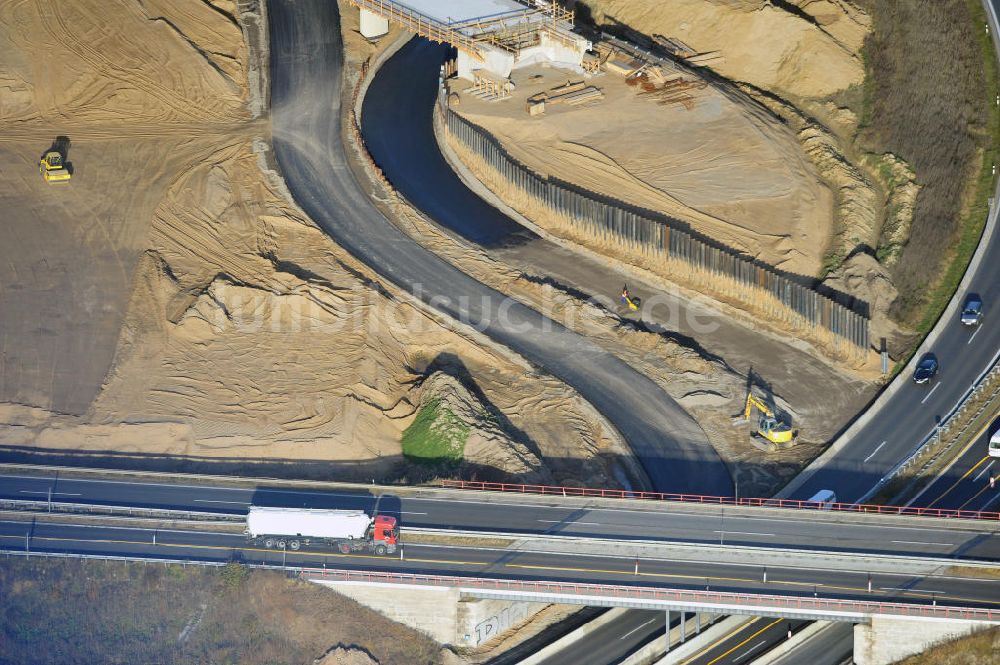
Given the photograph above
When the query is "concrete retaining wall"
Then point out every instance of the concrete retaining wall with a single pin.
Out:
(440, 612)
(886, 641)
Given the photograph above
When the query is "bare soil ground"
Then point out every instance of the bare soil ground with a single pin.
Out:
(62, 612)
(763, 163)
(898, 139)
(733, 172)
(809, 53)
(83, 70)
(169, 303)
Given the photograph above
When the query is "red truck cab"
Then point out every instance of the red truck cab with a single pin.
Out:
(384, 530)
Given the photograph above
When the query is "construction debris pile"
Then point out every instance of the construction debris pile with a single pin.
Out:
(673, 89)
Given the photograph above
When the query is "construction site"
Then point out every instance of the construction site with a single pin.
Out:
(170, 302)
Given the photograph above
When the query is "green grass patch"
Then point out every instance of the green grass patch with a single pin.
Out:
(435, 435)
(974, 219)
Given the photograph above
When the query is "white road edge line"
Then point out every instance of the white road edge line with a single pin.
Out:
(636, 628)
(568, 523)
(876, 450)
(239, 503)
(750, 650)
(53, 494)
(921, 542)
(745, 533)
(985, 469)
(928, 395)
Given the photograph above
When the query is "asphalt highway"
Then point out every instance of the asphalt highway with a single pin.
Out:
(306, 57)
(62, 535)
(832, 645)
(631, 520)
(607, 643)
(966, 483)
(748, 641)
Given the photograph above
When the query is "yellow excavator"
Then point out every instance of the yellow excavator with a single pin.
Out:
(768, 426)
(53, 168)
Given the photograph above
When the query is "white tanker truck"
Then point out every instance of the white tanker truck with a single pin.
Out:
(347, 530)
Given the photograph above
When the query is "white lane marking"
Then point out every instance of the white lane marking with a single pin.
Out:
(985, 469)
(570, 522)
(238, 503)
(876, 450)
(751, 650)
(744, 533)
(636, 628)
(928, 395)
(53, 494)
(408, 512)
(922, 542)
(974, 334)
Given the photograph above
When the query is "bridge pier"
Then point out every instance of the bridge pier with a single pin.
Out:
(888, 640)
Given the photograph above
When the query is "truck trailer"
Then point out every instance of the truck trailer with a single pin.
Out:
(346, 530)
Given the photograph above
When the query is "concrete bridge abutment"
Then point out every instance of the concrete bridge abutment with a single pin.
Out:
(888, 640)
(441, 613)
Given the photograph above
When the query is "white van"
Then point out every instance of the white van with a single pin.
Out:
(825, 499)
(994, 450)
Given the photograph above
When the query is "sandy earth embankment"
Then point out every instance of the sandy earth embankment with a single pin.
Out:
(763, 159)
(733, 173)
(810, 55)
(171, 303)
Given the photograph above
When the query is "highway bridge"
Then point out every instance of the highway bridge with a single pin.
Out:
(794, 562)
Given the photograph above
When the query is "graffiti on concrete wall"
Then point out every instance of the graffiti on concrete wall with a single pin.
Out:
(495, 625)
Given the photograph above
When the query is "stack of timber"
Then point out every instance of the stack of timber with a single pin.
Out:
(571, 92)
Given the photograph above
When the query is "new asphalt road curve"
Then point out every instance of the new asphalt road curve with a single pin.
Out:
(306, 58)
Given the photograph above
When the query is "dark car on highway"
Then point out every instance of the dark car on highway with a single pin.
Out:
(927, 369)
(972, 310)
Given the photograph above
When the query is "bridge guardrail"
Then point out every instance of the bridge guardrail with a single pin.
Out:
(599, 493)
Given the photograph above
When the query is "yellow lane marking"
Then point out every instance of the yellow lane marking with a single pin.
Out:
(741, 627)
(975, 496)
(566, 569)
(964, 476)
(773, 623)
